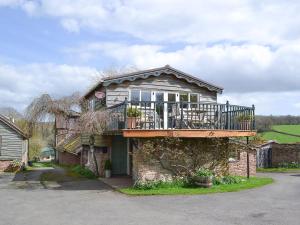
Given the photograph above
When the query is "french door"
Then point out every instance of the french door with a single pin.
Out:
(164, 110)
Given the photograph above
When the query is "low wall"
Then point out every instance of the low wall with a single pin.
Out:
(285, 153)
(4, 164)
(65, 158)
(239, 167)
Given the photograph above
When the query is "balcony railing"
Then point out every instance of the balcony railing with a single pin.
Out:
(152, 115)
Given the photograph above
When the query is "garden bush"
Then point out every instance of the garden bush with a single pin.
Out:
(83, 172)
(291, 165)
(227, 180)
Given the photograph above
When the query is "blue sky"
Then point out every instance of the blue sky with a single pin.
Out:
(62, 46)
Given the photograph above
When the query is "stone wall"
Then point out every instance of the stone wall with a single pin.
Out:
(285, 153)
(148, 171)
(239, 167)
(65, 158)
(152, 170)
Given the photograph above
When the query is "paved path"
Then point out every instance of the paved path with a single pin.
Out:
(275, 204)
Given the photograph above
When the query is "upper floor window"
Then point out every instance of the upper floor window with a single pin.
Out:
(194, 99)
(91, 105)
(146, 97)
(135, 96)
(184, 98)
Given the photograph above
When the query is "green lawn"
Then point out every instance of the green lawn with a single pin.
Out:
(283, 138)
(280, 138)
(291, 129)
(278, 170)
(253, 182)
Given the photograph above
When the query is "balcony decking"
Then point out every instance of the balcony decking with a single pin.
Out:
(180, 119)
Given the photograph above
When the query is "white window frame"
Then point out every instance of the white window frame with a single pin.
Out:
(91, 106)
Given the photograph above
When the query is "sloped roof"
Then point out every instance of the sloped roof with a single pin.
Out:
(71, 144)
(10, 124)
(143, 74)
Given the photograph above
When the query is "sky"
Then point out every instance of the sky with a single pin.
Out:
(249, 47)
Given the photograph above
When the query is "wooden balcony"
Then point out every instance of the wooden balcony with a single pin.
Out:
(180, 119)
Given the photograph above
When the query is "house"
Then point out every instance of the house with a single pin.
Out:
(47, 154)
(158, 103)
(13, 144)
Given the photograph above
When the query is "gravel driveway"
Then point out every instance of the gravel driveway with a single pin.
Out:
(94, 203)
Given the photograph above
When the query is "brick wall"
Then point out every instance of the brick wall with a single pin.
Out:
(239, 167)
(4, 164)
(66, 158)
(285, 153)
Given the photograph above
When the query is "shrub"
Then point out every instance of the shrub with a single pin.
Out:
(83, 172)
(227, 180)
(147, 185)
(202, 172)
(107, 165)
(133, 112)
(14, 166)
(291, 165)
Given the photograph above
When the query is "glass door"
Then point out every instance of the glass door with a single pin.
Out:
(159, 110)
(172, 110)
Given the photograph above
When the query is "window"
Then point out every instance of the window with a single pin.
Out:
(194, 99)
(135, 97)
(91, 104)
(146, 97)
(184, 98)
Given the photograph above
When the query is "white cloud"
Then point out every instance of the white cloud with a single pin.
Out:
(195, 21)
(266, 103)
(246, 68)
(71, 25)
(20, 84)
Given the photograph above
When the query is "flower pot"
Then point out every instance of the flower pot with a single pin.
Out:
(131, 122)
(203, 181)
(107, 173)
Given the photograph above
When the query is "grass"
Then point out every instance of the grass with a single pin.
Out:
(283, 138)
(280, 138)
(291, 129)
(278, 170)
(253, 182)
(83, 172)
(36, 165)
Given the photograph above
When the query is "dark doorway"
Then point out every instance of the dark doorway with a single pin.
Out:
(119, 155)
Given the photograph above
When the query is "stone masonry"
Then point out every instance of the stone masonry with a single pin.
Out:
(285, 153)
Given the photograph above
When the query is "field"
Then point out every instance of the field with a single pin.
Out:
(283, 138)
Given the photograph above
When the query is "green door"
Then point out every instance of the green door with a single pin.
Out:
(119, 155)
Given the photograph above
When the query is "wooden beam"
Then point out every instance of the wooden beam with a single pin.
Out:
(187, 133)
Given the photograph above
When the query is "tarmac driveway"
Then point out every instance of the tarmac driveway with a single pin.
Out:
(275, 204)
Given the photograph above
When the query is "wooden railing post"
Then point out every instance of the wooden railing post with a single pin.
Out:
(227, 116)
(125, 113)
